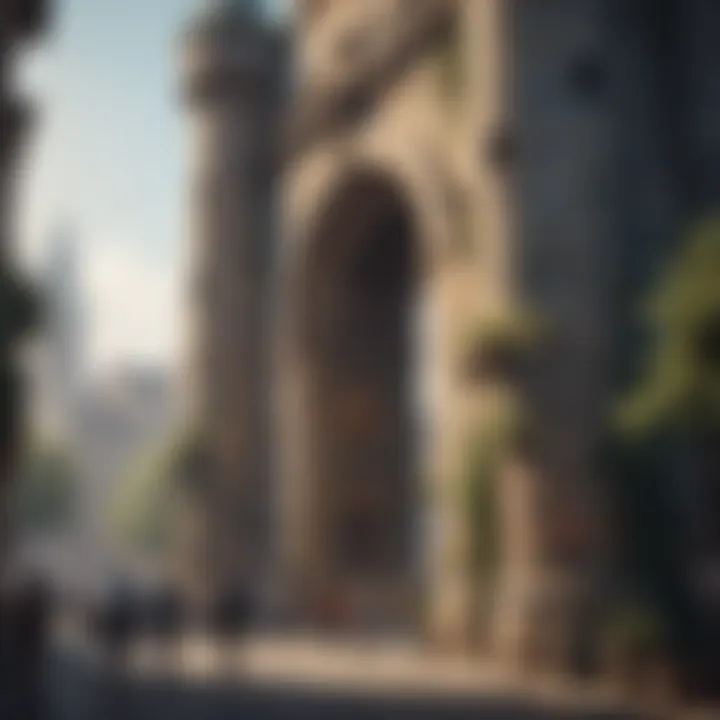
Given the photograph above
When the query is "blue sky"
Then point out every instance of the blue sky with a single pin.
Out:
(108, 163)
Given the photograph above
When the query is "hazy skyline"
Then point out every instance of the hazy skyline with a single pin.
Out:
(107, 164)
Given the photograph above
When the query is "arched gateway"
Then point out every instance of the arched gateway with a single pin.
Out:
(354, 302)
(401, 185)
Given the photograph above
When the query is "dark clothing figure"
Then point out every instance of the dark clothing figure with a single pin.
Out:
(116, 623)
(164, 617)
(26, 640)
(231, 615)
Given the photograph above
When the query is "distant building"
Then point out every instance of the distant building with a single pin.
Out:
(122, 417)
(61, 345)
(106, 422)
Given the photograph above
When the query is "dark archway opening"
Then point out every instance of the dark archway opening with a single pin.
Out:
(359, 347)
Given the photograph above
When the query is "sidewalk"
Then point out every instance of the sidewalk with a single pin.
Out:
(378, 668)
(390, 669)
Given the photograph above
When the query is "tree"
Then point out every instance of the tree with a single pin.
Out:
(680, 386)
(144, 510)
(47, 492)
(674, 411)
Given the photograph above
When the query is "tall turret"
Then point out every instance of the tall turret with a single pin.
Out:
(233, 70)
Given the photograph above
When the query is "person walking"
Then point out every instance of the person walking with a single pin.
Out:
(28, 620)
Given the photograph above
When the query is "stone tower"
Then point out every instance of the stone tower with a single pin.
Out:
(232, 75)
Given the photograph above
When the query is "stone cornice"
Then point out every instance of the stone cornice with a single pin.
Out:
(319, 109)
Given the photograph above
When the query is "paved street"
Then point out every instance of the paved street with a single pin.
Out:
(83, 697)
(79, 690)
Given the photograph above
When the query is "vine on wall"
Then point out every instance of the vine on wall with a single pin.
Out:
(494, 353)
(449, 64)
(495, 346)
(489, 448)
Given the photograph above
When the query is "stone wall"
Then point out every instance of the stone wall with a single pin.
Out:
(520, 155)
(400, 138)
(233, 72)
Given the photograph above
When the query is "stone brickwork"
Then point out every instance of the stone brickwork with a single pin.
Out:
(401, 146)
(232, 82)
(484, 159)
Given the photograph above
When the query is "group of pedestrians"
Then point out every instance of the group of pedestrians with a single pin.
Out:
(27, 611)
(126, 615)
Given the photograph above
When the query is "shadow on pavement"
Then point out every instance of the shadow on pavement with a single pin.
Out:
(79, 690)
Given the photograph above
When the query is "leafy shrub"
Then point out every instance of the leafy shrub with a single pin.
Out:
(47, 491)
(479, 500)
(496, 345)
(144, 510)
(449, 64)
(681, 379)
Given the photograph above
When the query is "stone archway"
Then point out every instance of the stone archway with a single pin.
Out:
(354, 309)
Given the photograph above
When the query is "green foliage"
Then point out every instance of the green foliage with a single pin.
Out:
(495, 345)
(462, 228)
(449, 64)
(520, 329)
(480, 500)
(189, 460)
(144, 510)
(671, 414)
(47, 491)
(501, 437)
(681, 381)
(509, 426)
(139, 512)
(517, 331)
(487, 451)
(655, 533)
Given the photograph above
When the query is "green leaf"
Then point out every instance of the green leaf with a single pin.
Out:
(680, 383)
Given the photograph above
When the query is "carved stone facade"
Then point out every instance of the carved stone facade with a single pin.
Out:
(367, 205)
(445, 161)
